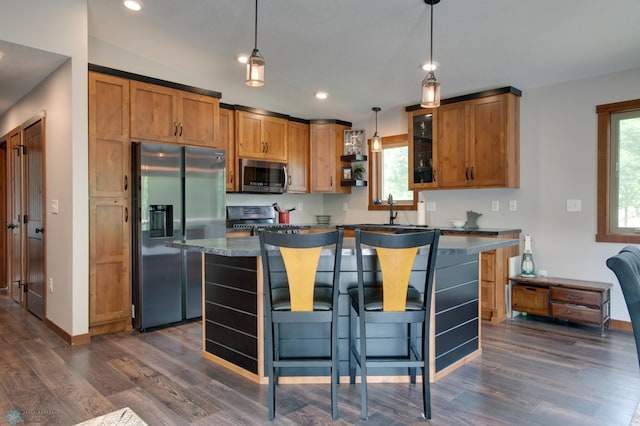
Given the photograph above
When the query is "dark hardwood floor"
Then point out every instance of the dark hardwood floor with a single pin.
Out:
(531, 372)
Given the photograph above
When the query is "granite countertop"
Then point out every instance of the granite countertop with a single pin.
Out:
(444, 229)
(250, 246)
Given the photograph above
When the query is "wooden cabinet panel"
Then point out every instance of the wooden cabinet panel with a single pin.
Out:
(154, 112)
(199, 120)
(261, 137)
(226, 140)
(168, 115)
(325, 150)
(530, 299)
(487, 141)
(109, 262)
(452, 146)
(575, 313)
(298, 164)
(577, 297)
(423, 151)
(109, 148)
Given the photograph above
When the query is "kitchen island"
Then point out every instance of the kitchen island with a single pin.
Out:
(233, 313)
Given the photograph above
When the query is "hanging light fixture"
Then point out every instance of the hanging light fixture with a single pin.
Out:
(376, 140)
(430, 86)
(255, 63)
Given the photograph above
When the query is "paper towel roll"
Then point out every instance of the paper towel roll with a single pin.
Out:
(421, 213)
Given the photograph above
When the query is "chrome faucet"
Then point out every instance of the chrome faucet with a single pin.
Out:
(392, 215)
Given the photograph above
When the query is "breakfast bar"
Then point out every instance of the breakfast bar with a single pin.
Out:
(233, 314)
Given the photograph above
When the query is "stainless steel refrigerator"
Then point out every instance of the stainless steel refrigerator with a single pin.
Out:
(179, 193)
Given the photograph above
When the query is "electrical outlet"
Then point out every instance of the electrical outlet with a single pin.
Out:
(431, 206)
(574, 206)
(495, 205)
(300, 206)
(513, 205)
(345, 207)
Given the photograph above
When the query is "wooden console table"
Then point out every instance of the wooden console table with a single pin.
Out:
(562, 298)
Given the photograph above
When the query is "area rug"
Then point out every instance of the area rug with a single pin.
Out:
(122, 417)
(635, 420)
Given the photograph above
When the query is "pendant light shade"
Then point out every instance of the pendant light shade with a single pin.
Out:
(430, 86)
(376, 140)
(255, 63)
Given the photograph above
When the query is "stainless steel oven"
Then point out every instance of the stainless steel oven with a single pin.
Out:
(263, 176)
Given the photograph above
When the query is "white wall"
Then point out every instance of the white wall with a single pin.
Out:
(558, 144)
(64, 97)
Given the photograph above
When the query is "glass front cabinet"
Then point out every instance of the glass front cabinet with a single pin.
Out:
(422, 149)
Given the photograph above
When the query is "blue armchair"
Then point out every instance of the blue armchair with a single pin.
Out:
(626, 266)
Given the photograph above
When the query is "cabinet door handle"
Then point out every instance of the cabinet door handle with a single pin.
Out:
(126, 182)
(578, 313)
(466, 173)
(231, 176)
(266, 147)
(573, 297)
(473, 177)
(434, 175)
(289, 180)
(180, 129)
(175, 128)
(331, 181)
(126, 215)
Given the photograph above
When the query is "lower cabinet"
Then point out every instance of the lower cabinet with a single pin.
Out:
(109, 265)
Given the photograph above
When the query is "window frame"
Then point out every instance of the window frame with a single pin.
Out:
(605, 233)
(376, 175)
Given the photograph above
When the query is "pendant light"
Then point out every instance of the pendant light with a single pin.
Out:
(376, 140)
(255, 63)
(430, 86)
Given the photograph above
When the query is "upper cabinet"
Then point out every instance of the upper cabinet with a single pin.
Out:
(109, 147)
(164, 114)
(227, 141)
(298, 164)
(261, 137)
(475, 143)
(327, 144)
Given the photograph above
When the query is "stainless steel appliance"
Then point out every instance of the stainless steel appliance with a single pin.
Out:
(179, 193)
(263, 176)
(255, 218)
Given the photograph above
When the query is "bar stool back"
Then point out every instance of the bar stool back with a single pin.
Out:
(387, 296)
(296, 293)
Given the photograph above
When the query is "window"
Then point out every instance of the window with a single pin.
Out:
(619, 172)
(390, 175)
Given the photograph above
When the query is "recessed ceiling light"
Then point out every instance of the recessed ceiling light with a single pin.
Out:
(135, 5)
(322, 95)
(243, 58)
(428, 66)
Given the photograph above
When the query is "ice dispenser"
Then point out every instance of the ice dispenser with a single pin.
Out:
(161, 220)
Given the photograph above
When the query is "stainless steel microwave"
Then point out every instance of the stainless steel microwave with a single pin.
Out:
(264, 177)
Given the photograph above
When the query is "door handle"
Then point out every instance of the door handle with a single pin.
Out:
(126, 215)
(39, 230)
(11, 226)
(126, 182)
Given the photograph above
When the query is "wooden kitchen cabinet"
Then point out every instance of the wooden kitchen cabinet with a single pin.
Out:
(109, 265)
(475, 144)
(298, 164)
(326, 147)
(227, 141)
(109, 227)
(261, 137)
(109, 146)
(164, 114)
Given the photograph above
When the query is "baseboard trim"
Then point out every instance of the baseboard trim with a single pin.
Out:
(621, 325)
(80, 339)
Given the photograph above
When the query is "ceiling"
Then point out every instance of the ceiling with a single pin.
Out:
(365, 53)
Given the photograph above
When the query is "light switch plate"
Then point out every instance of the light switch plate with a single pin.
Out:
(495, 205)
(574, 205)
(431, 206)
(54, 206)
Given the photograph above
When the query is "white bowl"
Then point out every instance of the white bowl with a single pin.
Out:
(457, 223)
